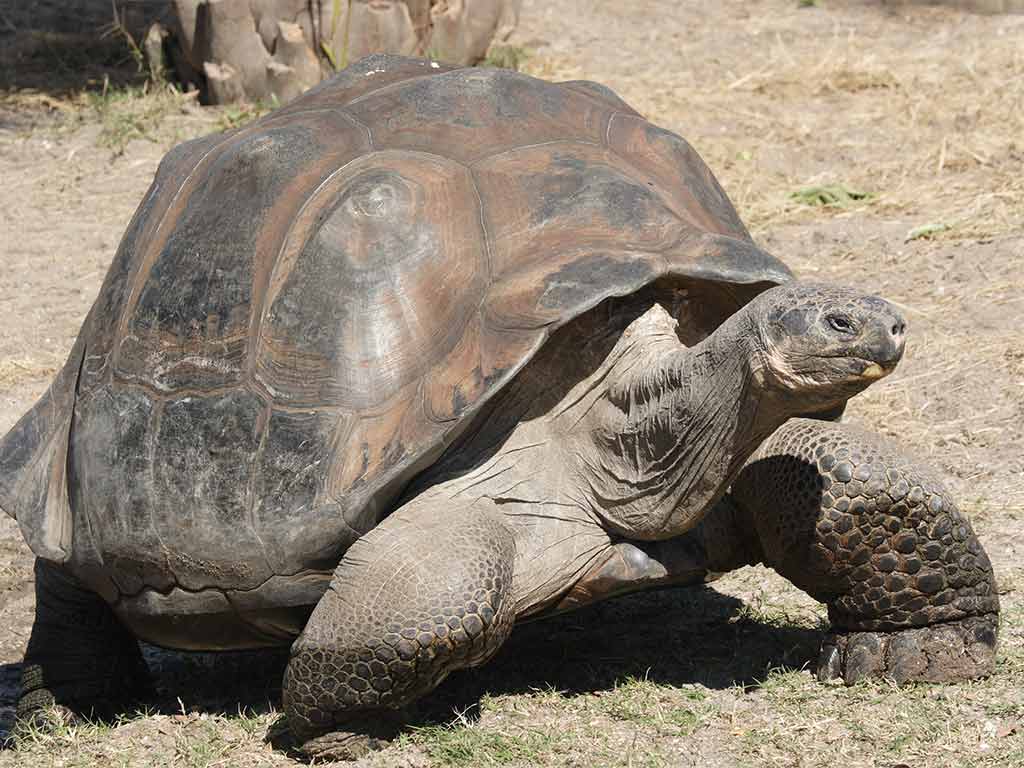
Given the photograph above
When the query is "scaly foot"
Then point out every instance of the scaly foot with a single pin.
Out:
(357, 737)
(944, 652)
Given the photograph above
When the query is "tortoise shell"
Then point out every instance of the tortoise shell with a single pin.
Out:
(304, 312)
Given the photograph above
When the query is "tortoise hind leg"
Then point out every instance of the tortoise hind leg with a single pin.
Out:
(79, 656)
(857, 525)
(426, 592)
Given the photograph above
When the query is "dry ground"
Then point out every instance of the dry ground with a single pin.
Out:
(911, 117)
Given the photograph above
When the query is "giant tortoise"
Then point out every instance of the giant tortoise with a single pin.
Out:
(433, 350)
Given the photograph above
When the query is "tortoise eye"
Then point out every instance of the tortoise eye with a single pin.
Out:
(840, 323)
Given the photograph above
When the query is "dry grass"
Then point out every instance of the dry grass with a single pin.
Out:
(17, 370)
(930, 124)
(923, 111)
(196, 740)
(780, 716)
(142, 112)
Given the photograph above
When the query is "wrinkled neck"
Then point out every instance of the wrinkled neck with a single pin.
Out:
(677, 426)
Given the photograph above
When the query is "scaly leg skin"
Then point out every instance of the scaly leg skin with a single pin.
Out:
(846, 517)
(80, 658)
(425, 593)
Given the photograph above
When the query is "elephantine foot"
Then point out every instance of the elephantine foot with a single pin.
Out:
(79, 655)
(945, 652)
(46, 699)
(355, 738)
(37, 713)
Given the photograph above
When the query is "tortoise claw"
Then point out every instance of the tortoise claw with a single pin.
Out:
(354, 738)
(45, 717)
(340, 746)
(945, 652)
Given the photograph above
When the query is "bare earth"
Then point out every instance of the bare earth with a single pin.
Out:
(918, 111)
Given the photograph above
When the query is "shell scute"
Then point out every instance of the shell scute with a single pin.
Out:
(469, 114)
(601, 93)
(189, 321)
(572, 282)
(368, 75)
(203, 461)
(382, 449)
(298, 522)
(398, 236)
(110, 463)
(113, 296)
(678, 172)
(543, 201)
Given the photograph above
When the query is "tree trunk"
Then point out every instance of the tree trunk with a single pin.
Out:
(276, 49)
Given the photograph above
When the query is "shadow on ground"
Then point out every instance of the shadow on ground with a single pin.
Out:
(61, 47)
(673, 637)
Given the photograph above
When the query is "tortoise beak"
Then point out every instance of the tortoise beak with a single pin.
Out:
(875, 371)
(887, 340)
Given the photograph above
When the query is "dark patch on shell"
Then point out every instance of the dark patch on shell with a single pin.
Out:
(579, 280)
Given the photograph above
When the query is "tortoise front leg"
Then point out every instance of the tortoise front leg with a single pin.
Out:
(853, 522)
(427, 592)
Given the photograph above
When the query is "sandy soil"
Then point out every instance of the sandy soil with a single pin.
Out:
(920, 109)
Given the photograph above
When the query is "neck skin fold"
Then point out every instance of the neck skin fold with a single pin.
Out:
(673, 427)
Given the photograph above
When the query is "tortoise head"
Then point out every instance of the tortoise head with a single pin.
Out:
(823, 343)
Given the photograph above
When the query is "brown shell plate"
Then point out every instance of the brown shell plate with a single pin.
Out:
(304, 311)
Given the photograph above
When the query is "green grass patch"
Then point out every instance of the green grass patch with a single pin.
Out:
(237, 115)
(338, 58)
(505, 57)
(461, 745)
(132, 112)
(50, 730)
(830, 195)
(928, 231)
(667, 709)
(201, 745)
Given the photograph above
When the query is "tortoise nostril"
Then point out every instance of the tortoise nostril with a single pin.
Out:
(894, 344)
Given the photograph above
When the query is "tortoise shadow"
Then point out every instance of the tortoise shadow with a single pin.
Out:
(674, 637)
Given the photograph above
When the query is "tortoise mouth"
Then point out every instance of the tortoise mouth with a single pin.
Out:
(873, 370)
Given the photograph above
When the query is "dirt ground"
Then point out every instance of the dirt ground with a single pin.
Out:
(911, 117)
